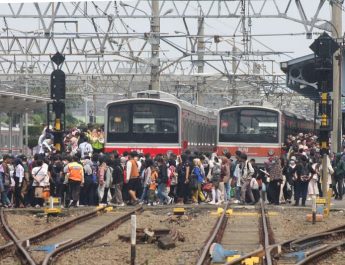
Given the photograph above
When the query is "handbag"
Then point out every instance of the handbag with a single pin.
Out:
(39, 192)
(174, 179)
(207, 187)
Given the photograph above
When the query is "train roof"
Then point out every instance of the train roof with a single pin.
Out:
(250, 107)
(168, 98)
(271, 107)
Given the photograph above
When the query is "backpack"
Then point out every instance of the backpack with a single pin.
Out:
(94, 168)
(108, 177)
(181, 169)
(121, 173)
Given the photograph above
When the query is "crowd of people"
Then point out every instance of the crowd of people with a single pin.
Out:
(83, 175)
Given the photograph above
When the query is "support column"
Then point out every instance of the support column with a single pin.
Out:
(94, 108)
(337, 115)
(21, 134)
(201, 52)
(155, 43)
(10, 132)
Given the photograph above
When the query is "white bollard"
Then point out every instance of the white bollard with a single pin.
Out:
(133, 237)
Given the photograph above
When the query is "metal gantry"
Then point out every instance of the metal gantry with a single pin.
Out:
(125, 46)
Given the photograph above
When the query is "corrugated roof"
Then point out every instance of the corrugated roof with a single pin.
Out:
(18, 103)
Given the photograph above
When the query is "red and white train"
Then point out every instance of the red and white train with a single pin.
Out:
(259, 131)
(158, 123)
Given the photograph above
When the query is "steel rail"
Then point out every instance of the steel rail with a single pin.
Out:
(63, 226)
(23, 253)
(204, 257)
(326, 251)
(266, 234)
(265, 250)
(49, 259)
(51, 231)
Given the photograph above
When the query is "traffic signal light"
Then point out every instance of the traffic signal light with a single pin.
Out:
(58, 85)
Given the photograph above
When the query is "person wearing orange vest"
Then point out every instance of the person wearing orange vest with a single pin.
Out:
(133, 180)
(75, 175)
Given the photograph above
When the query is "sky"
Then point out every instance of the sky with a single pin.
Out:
(294, 46)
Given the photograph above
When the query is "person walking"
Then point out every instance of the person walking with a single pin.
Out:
(339, 177)
(18, 178)
(162, 181)
(215, 178)
(75, 176)
(197, 172)
(246, 173)
(183, 171)
(302, 177)
(118, 174)
(133, 180)
(276, 177)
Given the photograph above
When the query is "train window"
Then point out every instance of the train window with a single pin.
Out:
(153, 118)
(249, 125)
(118, 118)
(143, 122)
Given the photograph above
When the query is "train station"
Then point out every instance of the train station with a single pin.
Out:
(172, 132)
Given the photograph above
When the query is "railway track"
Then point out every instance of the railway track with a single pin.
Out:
(71, 233)
(249, 235)
(22, 253)
(312, 249)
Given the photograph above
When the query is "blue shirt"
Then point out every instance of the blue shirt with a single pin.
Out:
(197, 172)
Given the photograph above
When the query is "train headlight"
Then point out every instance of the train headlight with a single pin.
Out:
(270, 152)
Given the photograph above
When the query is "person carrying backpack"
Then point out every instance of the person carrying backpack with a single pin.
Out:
(303, 174)
(173, 178)
(183, 172)
(118, 179)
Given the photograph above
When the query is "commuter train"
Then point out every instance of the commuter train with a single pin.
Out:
(259, 131)
(158, 123)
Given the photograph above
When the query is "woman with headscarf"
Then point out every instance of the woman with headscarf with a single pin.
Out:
(276, 176)
(303, 174)
(215, 178)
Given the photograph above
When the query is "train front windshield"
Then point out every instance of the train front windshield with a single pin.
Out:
(149, 122)
(246, 125)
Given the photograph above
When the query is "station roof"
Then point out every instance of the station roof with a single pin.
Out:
(18, 103)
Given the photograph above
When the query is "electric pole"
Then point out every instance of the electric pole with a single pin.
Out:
(336, 24)
(155, 41)
(201, 52)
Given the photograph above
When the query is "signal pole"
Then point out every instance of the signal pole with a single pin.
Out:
(201, 52)
(324, 48)
(337, 117)
(58, 95)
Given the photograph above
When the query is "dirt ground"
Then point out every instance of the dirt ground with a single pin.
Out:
(26, 224)
(286, 223)
(291, 223)
(110, 250)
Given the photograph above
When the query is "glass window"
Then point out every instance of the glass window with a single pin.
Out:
(249, 125)
(118, 118)
(143, 122)
(153, 118)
